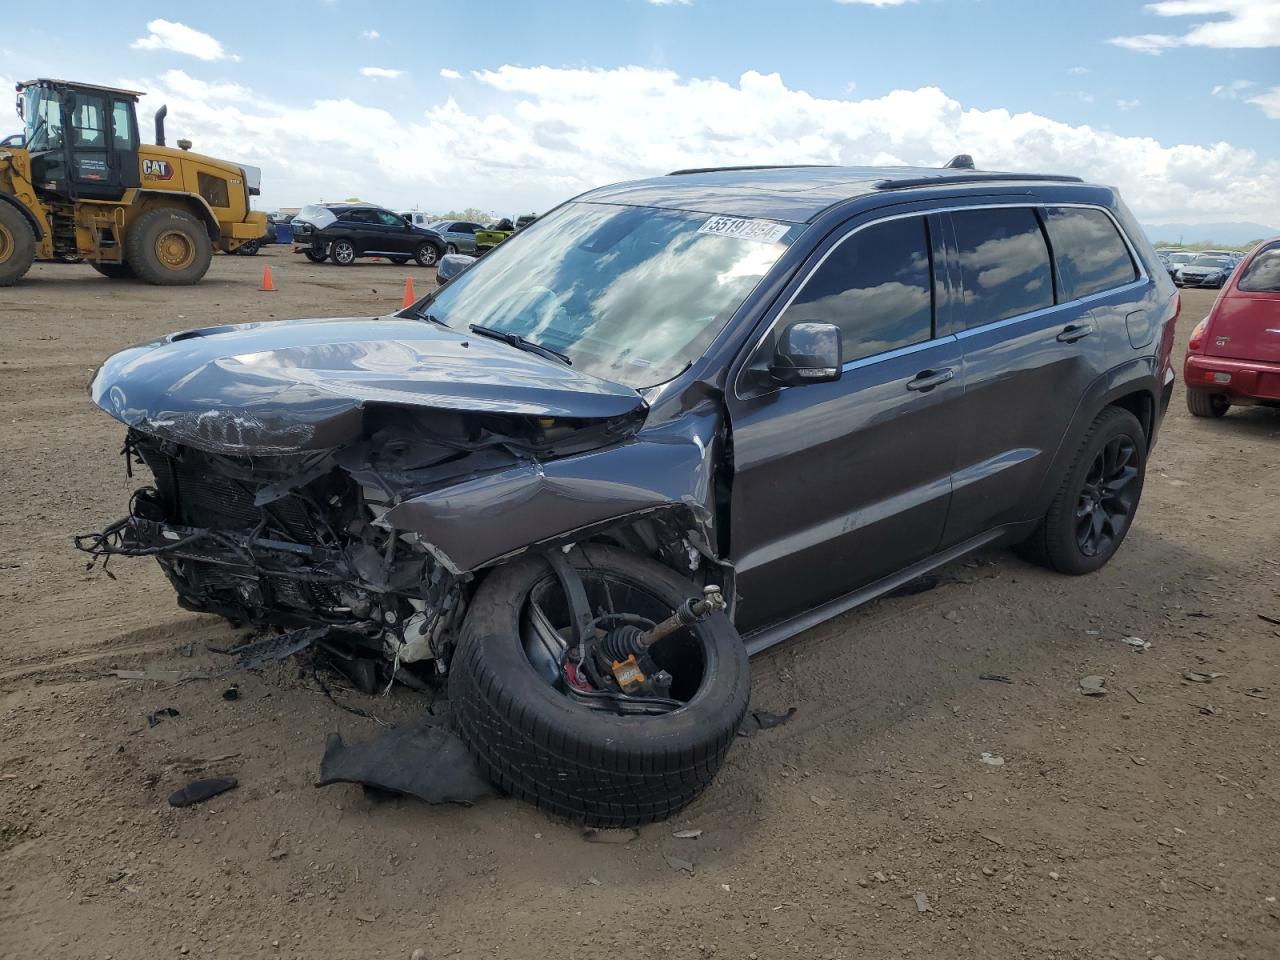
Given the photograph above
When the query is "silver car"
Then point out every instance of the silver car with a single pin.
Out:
(459, 235)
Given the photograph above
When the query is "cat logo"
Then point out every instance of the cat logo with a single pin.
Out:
(157, 169)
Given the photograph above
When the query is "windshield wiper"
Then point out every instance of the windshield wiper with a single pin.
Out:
(424, 314)
(520, 342)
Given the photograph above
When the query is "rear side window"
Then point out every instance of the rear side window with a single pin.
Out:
(123, 134)
(1263, 273)
(1004, 263)
(1091, 253)
(876, 287)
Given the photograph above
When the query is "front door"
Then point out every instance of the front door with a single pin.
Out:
(101, 145)
(839, 484)
(396, 235)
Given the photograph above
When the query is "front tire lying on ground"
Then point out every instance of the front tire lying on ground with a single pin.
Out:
(168, 248)
(1095, 504)
(594, 765)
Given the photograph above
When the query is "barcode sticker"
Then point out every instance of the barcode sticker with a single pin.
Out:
(765, 231)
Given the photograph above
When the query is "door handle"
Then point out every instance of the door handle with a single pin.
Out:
(1075, 331)
(928, 379)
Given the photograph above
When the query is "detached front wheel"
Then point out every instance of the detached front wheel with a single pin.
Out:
(550, 732)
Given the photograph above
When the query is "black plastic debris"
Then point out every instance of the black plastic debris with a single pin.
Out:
(428, 761)
(258, 652)
(757, 720)
(155, 716)
(198, 791)
(997, 677)
(231, 693)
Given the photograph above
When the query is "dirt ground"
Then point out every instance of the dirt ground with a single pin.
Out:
(1138, 824)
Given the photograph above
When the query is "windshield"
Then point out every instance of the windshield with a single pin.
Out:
(629, 294)
(1210, 262)
(1181, 257)
(42, 117)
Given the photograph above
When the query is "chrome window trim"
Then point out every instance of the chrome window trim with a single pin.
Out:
(1143, 277)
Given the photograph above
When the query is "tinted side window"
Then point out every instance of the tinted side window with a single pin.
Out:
(1091, 253)
(1263, 273)
(1004, 263)
(389, 219)
(122, 126)
(89, 122)
(359, 216)
(877, 287)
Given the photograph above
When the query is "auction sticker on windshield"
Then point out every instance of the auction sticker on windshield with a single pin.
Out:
(766, 231)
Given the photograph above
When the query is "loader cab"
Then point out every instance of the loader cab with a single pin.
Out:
(82, 139)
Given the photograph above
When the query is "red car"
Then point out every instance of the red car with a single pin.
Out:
(1234, 352)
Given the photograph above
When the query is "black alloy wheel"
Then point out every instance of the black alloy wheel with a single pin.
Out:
(1108, 497)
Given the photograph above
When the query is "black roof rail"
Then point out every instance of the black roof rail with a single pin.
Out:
(969, 177)
(961, 161)
(751, 166)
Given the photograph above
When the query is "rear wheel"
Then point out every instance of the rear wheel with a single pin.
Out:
(545, 733)
(115, 271)
(450, 248)
(1097, 499)
(1202, 403)
(168, 248)
(342, 252)
(17, 245)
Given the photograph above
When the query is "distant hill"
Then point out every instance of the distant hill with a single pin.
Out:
(1227, 234)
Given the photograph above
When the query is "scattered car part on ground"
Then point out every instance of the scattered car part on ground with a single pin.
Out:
(80, 185)
(1233, 356)
(648, 436)
(342, 233)
(198, 791)
(427, 761)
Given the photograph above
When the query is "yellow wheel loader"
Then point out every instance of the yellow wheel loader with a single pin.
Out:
(77, 183)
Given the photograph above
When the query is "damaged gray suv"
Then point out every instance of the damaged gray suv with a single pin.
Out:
(668, 425)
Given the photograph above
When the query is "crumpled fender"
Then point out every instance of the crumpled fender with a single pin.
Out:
(475, 523)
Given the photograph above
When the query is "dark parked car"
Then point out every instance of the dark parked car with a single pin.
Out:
(669, 424)
(452, 264)
(1204, 271)
(1233, 356)
(345, 232)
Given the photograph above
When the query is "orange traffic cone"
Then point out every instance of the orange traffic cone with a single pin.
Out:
(267, 285)
(409, 298)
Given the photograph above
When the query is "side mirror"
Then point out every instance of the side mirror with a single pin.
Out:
(807, 353)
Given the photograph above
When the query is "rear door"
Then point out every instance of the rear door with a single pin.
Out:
(1246, 321)
(838, 484)
(361, 226)
(1031, 350)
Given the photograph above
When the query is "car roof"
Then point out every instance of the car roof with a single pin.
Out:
(797, 193)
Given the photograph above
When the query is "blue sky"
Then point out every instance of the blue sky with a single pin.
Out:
(518, 104)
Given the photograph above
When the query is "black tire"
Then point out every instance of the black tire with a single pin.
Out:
(1055, 543)
(342, 252)
(427, 255)
(588, 765)
(1202, 403)
(315, 256)
(249, 248)
(399, 261)
(17, 245)
(450, 248)
(168, 248)
(115, 271)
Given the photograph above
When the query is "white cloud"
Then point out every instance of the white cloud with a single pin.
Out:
(178, 37)
(1079, 71)
(370, 34)
(380, 73)
(189, 86)
(1128, 104)
(547, 133)
(450, 74)
(1233, 89)
(1249, 24)
(877, 3)
(1268, 102)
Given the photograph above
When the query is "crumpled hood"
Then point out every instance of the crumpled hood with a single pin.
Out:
(303, 384)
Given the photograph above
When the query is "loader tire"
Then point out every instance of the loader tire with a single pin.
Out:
(17, 245)
(168, 248)
(590, 766)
